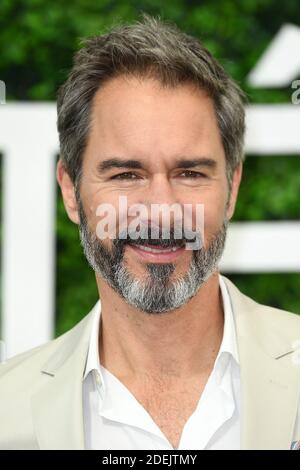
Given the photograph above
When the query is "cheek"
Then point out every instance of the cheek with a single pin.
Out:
(213, 219)
(98, 207)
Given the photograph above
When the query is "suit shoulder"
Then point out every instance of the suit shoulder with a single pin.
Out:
(271, 324)
(281, 318)
(285, 323)
(35, 357)
(21, 377)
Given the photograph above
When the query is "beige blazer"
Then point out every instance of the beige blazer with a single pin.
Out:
(41, 389)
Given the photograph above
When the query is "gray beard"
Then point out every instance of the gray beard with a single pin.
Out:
(155, 293)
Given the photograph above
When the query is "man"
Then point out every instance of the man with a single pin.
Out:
(174, 356)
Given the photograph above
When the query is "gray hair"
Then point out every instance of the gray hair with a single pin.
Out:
(149, 48)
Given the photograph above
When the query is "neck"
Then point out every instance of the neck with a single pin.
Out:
(180, 343)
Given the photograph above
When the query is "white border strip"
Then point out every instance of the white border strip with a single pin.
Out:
(28, 142)
(262, 247)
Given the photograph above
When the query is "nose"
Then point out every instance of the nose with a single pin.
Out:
(161, 196)
(160, 191)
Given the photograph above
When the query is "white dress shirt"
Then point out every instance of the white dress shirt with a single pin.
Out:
(115, 419)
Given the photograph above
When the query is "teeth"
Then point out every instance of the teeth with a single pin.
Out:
(157, 250)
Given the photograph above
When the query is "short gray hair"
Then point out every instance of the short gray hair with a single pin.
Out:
(148, 48)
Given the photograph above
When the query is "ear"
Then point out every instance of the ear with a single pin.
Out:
(68, 191)
(236, 179)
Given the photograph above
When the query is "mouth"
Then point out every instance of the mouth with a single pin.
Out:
(157, 253)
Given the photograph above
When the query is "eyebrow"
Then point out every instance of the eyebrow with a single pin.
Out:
(111, 163)
(118, 163)
(192, 162)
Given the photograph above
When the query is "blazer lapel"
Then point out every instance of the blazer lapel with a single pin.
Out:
(269, 388)
(270, 396)
(57, 404)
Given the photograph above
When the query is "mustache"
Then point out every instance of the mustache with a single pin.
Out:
(169, 238)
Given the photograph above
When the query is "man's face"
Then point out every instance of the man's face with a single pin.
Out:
(160, 129)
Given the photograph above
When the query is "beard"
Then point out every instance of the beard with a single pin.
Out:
(155, 292)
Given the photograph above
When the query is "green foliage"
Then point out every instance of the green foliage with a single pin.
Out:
(38, 40)
(269, 189)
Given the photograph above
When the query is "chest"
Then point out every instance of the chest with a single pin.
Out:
(170, 407)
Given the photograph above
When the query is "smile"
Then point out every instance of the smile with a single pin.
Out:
(157, 253)
(151, 249)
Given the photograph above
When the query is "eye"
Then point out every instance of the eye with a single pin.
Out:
(193, 174)
(125, 176)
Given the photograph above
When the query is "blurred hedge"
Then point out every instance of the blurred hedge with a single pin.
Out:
(38, 39)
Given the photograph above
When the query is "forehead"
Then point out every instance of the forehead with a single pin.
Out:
(141, 118)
